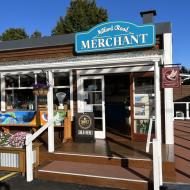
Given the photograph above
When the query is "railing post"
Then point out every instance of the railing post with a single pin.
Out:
(156, 165)
(29, 159)
(158, 113)
(187, 110)
(51, 146)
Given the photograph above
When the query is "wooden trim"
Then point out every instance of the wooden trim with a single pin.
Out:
(48, 52)
(132, 104)
(143, 74)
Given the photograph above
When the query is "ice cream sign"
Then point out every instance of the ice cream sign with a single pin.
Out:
(114, 36)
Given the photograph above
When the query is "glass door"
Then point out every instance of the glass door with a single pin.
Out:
(91, 99)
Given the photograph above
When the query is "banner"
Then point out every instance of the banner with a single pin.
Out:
(170, 77)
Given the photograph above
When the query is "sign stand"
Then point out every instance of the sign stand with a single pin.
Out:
(84, 127)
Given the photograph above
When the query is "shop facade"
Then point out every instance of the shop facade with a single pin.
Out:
(115, 75)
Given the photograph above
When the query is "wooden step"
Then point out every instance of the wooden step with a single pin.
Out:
(96, 174)
(97, 159)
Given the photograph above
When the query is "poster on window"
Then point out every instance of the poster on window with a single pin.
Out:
(141, 106)
(170, 77)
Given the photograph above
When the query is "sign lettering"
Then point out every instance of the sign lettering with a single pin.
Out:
(115, 35)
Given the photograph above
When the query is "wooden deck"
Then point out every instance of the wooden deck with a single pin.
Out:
(182, 151)
(115, 162)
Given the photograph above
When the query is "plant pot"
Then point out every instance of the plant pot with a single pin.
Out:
(40, 91)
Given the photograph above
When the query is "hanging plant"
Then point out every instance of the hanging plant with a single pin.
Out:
(40, 89)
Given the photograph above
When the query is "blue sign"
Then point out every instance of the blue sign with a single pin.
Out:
(114, 36)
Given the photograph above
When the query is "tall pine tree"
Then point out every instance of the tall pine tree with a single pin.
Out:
(80, 16)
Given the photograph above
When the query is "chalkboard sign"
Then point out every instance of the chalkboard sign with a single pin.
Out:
(84, 127)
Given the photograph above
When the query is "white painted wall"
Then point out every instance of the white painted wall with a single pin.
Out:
(168, 93)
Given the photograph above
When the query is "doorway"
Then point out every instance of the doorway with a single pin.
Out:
(91, 99)
(117, 103)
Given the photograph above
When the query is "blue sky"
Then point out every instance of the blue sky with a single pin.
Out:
(43, 15)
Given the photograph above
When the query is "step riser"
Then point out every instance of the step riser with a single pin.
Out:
(98, 160)
(130, 185)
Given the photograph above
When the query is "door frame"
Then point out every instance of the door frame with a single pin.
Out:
(80, 102)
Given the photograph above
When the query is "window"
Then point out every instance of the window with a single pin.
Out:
(61, 84)
(19, 91)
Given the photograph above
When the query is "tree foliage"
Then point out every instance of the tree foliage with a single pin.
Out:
(81, 16)
(36, 34)
(14, 34)
(184, 70)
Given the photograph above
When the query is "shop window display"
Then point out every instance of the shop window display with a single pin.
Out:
(143, 103)
(19, 90)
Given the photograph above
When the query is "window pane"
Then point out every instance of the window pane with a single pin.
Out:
(93, 97)
(144, 85)
(97, 110)
(66, 99)
(20, 99)
(41, 78)
(11, 81)
(27, 80)
(180, 110)
(92, 85)
(142, 125)
(98, 124)
(61, 79)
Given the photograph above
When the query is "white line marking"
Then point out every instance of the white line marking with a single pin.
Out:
(93, 176)
(98, 156)
(174, 183)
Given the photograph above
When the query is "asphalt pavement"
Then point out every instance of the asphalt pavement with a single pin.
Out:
(18, 182)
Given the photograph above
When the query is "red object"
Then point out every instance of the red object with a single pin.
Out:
(170, 77)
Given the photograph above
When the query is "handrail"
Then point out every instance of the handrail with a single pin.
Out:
(29, 139)
(157, 163)
(148, 142)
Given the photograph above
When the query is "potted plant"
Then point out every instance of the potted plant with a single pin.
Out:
(40, 89)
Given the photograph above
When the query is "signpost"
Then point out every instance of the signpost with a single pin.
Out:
(115, 36)
(84, 127)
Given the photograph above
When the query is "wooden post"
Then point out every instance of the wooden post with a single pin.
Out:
(29, 159)
(67, 127)
(51, 145)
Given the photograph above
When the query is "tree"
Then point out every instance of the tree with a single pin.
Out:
(14, 34)
(81, 16)
(184, 70)
(36, 34)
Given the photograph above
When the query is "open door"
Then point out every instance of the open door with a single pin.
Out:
(91, 99)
